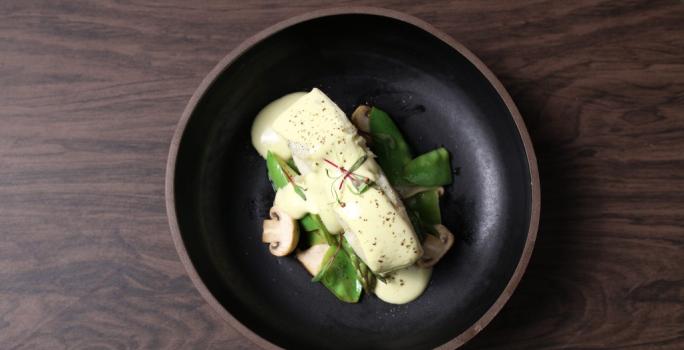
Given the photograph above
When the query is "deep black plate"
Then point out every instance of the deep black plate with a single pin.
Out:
(439, 94)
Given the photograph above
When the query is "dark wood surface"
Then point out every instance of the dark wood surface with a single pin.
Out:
(90, 92)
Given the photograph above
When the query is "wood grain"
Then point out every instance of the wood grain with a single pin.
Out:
(92, 90)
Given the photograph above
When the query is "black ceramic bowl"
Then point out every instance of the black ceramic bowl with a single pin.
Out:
(440, 94)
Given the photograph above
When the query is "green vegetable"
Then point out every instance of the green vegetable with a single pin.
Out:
(314, 237)
(276, 170)
(341, 266)
(339, 275)
(292, 165)
(360, 183)
(430, 169)
(280, 173)
(389, 145)
(363, 273)
(309, 223)
(426, 206)
(327, 261)
(418, 225)
(327, 236)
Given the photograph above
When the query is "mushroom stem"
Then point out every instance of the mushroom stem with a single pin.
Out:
(312, 258)
(281, 233)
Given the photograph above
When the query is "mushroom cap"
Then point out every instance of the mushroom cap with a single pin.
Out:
(434, 247)
(360, 118)
(281, 233)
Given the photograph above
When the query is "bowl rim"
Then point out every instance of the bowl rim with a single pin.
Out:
(206, 83)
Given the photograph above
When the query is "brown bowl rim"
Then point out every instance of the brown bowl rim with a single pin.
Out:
(246, 45)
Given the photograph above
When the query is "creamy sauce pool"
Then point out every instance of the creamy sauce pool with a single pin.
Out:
(404, 285)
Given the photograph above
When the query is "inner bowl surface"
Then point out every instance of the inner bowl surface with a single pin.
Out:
(220, 192)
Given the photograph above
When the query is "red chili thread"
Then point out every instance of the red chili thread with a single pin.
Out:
(347, 173)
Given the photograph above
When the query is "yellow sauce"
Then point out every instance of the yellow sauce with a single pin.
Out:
(314, 189)
(317, 192)
(264, 138)
(291, 203)
(323, 142)
(403, 285)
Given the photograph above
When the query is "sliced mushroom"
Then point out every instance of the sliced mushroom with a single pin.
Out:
(312, 258)
(360, 118)
(434, 247)
(281, 233)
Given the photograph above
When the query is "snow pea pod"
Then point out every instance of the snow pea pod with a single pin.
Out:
(278, 170)
(430, 169)
(339, 275)
(426, 206)
(328, 237)
(313, 237)
(309, 224)
(392, 151)
(335, 274)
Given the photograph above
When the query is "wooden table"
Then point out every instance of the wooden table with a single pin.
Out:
(91, 92)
